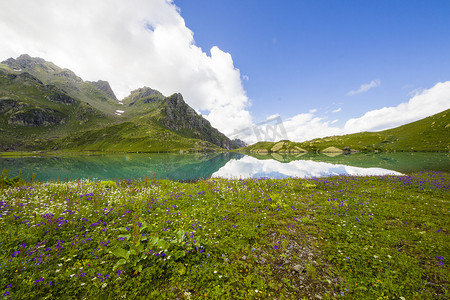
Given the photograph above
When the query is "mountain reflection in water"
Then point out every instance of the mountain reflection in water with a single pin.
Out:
(191, 167)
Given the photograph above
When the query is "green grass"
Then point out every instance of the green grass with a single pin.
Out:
(130, 137)
(429, 134)
(338, 237)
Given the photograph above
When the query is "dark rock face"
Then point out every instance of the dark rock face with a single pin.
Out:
(32, 117)
(24, 77)
(178, 109)
(104, 87)
(183, 119)
(9, 105)
(59, 96)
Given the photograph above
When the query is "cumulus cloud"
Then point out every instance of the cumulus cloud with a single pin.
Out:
(365, 87)
(306, 126)
(424, 104)
(130, 44)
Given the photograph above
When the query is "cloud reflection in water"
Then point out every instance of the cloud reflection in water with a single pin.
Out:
(249, 167)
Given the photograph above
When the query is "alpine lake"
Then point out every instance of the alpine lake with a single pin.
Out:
(192, 167)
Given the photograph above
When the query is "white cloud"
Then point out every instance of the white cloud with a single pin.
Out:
(365, 87)
(337, 110)
(245, 77)
(130, 44)
(307, 126)
(274, 116)
(424, 104)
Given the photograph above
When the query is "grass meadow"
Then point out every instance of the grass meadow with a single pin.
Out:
(322, 238)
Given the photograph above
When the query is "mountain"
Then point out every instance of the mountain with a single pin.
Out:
(45, 107)
(98, 94)
(429, 134)
(32, 112)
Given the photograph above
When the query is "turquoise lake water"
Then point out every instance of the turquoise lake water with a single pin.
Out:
(188, 167)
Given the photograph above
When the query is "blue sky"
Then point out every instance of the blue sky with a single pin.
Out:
(324, 67)
(303, 55)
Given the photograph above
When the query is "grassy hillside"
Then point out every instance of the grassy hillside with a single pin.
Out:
(429, 134)
(44, 107)
(32, 112)
(131, 137)
(98, 94)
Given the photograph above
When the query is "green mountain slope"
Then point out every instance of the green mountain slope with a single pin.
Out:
(32, 112)
(429, 134)
(98, 94)
(44, 107)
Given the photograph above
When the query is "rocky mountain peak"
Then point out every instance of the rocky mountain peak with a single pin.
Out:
(104, 87)
(145, 94)
(23, 61)
(176, 102)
